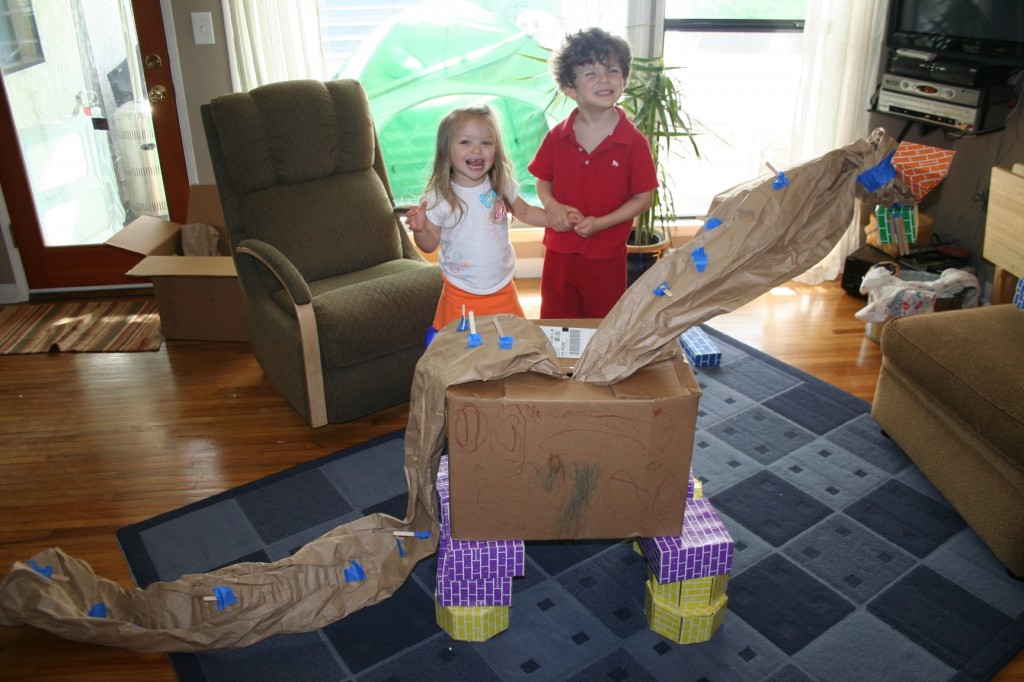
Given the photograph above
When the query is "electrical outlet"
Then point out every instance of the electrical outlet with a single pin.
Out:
(202, 28)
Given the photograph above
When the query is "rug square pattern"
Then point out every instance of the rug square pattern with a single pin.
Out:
(276, 658)
(774, 509)
(216, 535)
(863, 643)
(554, 637)
(828, 473)
(785, 603)
(853, 560)
(922, 598)
(837, 538)
(862, 437)
(902, 515)
(368, 474)
(291, 504)
(369, 636)
(598, 585)
(761, 433)
(737, 653)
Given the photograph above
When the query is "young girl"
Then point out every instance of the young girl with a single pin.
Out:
(465, 210)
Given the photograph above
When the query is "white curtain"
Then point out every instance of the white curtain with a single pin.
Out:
(273, 41)
(842, 45)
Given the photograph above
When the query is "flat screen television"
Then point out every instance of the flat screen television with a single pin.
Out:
(983, 31)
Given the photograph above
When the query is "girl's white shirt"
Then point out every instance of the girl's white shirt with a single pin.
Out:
(475, 253)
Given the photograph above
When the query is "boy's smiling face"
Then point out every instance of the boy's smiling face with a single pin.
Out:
(597, 85)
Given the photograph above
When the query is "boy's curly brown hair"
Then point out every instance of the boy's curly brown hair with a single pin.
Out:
(589, 47)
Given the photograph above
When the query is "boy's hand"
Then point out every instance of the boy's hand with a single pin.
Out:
(416, 217)
(586, 226)
(561, 217)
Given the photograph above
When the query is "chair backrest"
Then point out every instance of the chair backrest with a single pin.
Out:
(298, 166)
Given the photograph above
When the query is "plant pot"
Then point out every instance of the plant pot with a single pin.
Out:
(640, 257)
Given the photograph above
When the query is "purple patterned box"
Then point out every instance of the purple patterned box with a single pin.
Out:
(473, 559)
(474, 592)
(466, 559)
(705, 548)
(443, 496)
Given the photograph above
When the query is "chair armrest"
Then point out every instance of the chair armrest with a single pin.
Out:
(280, 267)
(409, 250)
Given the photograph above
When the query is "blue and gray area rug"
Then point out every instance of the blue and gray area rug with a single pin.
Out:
(848, 564)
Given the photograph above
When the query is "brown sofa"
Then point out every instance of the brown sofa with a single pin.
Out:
(951, 395)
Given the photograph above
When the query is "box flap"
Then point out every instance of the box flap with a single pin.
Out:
(204, 207)
(184, 266)
(148, 236)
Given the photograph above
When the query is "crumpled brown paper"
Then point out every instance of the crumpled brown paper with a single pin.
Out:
(766, 237)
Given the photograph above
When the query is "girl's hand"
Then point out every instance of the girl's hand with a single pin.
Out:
(561, 216)
(416, 217)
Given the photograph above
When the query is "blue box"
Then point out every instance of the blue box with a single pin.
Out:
(699, 348)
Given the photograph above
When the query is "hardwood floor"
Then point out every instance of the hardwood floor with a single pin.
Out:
(93, 442)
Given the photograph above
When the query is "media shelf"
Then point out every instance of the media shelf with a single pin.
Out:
(971, 98)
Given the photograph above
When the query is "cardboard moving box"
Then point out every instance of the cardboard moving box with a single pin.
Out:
(532, 457)
(198, 297)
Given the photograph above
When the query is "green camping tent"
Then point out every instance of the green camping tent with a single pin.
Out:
(430, 59)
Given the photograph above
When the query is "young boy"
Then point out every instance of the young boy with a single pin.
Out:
(594, 175)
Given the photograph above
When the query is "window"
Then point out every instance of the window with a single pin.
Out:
(737, 64)
(418, 60)
(19, 39)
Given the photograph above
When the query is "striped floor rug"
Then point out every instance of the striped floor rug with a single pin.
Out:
(85, 326)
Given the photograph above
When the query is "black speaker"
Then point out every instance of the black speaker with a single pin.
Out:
(857, 265)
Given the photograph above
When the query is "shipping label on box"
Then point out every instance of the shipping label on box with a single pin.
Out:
(532, 457)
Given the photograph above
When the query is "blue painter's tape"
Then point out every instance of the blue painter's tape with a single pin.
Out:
(401, 550)
(42, 570)
(878, 175)
(355, 572)
(225, 597)
(661, 289)
(98, 610)
(780, 181)
(505, 342)
(700, 259)
(431, 333)
(712, 223)
(474, 340)
(463, 325)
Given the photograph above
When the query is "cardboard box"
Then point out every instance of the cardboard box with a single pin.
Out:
(532, 457)
(198, 297)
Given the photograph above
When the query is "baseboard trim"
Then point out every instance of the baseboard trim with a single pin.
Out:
(9, 293)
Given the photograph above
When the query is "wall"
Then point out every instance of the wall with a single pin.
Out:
(204, 74)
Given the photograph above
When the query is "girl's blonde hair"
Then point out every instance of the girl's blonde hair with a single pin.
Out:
(501, 173)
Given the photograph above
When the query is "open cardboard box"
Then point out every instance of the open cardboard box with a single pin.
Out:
(532, 457)
(198, 297)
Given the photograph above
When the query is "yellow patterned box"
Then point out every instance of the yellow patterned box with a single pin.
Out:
(684, 626)
(471, 623)
(688, 594)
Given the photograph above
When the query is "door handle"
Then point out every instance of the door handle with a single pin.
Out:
(157, 93)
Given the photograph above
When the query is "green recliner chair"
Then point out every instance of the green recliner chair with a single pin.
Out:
(337, 297)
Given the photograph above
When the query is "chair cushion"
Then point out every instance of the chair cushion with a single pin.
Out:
(972, 363)
(373, 313)
(293, 132)
(339, 224)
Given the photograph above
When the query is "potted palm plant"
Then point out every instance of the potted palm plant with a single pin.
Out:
(654, 104)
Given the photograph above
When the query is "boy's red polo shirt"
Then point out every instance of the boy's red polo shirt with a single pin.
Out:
(596, 184)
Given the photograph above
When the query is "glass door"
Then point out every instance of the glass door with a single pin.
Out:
(84, 119)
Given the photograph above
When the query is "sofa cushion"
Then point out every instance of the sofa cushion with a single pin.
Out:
(972, 362)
